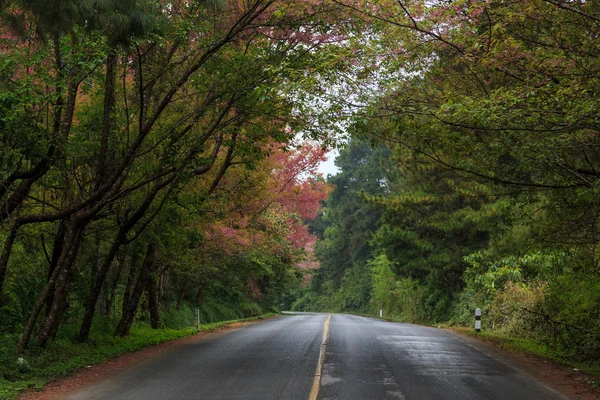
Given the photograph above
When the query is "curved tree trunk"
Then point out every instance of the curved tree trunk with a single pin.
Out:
(6, 251)
(71, 246)
(130, 304)
(102, 271)
(96, 288)
(61, 287)
(153, 303)
(57, 249)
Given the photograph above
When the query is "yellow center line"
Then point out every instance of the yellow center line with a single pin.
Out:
(314, 392)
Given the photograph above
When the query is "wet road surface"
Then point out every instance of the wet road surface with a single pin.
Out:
(365, 358)
(374, 359)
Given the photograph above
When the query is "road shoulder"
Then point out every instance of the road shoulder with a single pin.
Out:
(88, 376)
(569, 381)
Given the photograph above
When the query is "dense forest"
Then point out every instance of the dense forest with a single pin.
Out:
(157, 169)
(472, 177)
(160, 157)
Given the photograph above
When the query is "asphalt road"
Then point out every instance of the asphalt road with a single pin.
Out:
(365, 358)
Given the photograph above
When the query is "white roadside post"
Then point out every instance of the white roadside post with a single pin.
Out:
(381, 313)
(197, 319)
(478, 320)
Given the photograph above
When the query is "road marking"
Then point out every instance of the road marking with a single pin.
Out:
(314, 393)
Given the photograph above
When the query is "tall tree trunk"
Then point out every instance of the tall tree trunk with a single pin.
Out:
(70, 249)
(102, 271)
(102, 303)
(96, 288)
(130, 304)
(6, 251)
(61, 287)
(153, 303)
(107, 118)
(64, 309)
(131, 276)
(115, 282)
(181, 296)
(57, 249)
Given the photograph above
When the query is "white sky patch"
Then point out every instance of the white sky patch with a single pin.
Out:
(328, 167)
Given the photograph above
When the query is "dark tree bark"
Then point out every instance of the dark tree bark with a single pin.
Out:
(131, 276)
(107, 118)
(153, 303)
(57, 249)
(102, 271)
(64, 309)
(96, 288)
(71, 247)
(6, 251)
(61, 287)
(181, 296)
(102, 303)
(130, 304)
(115, 282)
(21, 192)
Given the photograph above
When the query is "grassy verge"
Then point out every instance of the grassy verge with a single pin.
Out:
(528, 346)
(63, 357)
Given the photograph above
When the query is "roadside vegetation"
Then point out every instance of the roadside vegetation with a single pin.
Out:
(472, 177)
(63, 357)
(157, 160)
(541, 299)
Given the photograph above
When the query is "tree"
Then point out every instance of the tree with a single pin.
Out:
(432, 220)
(128, 104)
(349, 223)
(498, 92)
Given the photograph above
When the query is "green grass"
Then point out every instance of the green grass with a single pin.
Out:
(63, 357)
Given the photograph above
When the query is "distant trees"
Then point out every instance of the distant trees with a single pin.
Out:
(343, 279)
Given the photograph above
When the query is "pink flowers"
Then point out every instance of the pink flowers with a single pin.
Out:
(271, 211)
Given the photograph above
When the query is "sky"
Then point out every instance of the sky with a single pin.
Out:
(328, 167)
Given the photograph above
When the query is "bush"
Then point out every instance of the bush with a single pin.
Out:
(562, 299)
(469, 300)
(404, 299)
(574, 300)
(408, 301)
(506, 314)
(177, 319)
